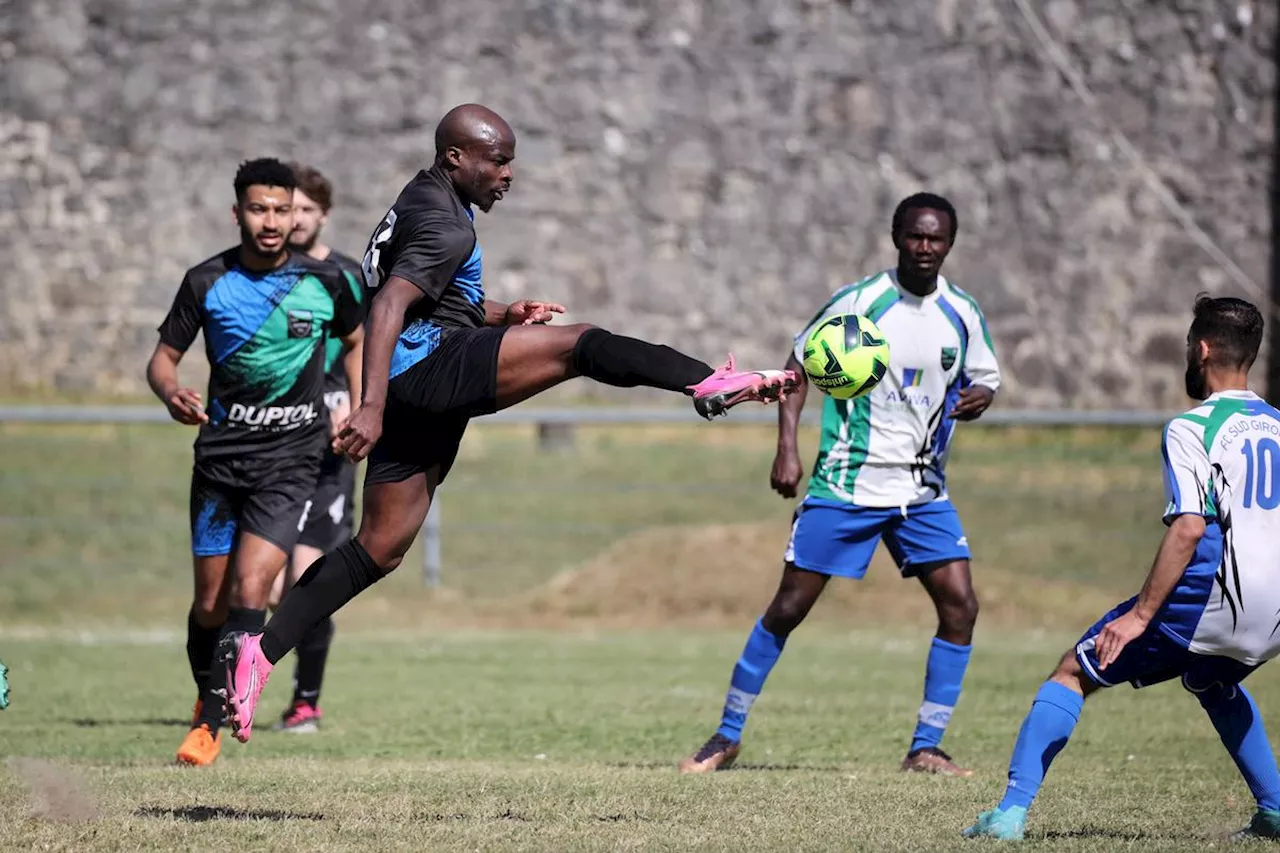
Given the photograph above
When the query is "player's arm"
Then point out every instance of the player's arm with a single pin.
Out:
(522, 312)
(1175, 552)
(353, 361)
(177, 332)
(386, 320)
(1187, 479)
(495, 313)
(787, 470)
(980, 369)
(184, 404)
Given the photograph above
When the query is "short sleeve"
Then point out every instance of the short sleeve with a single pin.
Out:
(980, 365)
(1186, 471)
(183, 322)
(348, 310)
(435, 245)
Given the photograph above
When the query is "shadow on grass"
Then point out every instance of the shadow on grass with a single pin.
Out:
(757, 767)
(95, 723)
(1101, 832)
(203, 814)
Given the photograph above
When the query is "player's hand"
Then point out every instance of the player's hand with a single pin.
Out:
(973, 401)
(359, 433)
(786, 473)
(526, 312)
(1117, 634)
(186, 407)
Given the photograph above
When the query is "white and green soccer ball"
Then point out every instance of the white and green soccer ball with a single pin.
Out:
(846, 356)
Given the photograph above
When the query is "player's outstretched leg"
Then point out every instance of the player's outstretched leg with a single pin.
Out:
(1239, 723)
(393, 514)
(1045, 731)
(796, 595)
(532, 359)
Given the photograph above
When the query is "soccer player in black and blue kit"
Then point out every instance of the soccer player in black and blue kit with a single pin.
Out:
(439, 353)
(266, 314)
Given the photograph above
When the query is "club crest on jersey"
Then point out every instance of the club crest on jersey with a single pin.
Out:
(300, 323)
(949, 355)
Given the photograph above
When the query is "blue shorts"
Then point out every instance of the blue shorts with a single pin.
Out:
(1155, 657)
(835, 538)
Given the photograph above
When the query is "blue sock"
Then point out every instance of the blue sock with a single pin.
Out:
(761, 653)
(943, 675)
(1239, 724)
(1044, 733)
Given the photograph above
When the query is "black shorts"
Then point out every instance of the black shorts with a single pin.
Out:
(429, 405)
(327, 516)
(264, 497)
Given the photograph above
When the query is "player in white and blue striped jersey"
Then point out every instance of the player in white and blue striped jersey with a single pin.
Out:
(1208, 612)
(880, 474)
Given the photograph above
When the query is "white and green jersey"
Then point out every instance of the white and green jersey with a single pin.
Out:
(889, 447)
(1222, 461)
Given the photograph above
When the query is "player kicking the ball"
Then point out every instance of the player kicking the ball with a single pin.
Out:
(439, 353)
(1207, 613)
(880, 474)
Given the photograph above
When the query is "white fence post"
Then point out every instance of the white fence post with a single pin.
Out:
(431, 544)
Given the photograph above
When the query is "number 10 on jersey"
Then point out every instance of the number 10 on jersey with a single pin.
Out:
(1261, 473)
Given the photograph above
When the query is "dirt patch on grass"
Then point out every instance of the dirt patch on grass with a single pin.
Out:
(56, 792)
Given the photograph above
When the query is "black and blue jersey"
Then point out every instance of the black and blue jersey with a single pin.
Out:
(265, 335)
(428, 238)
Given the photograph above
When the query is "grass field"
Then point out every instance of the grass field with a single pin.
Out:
(594, 602)
(567, 742)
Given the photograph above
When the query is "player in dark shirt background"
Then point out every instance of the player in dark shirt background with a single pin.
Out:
(266, 314)
(439, 353)
(328, 513)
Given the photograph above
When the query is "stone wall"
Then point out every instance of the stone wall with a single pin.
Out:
(702, 172)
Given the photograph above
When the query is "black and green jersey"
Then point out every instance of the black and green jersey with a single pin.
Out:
(335, 374)
(265, 335)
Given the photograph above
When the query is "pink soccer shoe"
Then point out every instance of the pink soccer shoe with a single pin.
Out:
(300, 718)
(247, 672)
(727, 387)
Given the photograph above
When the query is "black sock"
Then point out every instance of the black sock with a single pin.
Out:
(331, 582)
(628, 362)
(313, 651)
(238, 619)
(201, 642)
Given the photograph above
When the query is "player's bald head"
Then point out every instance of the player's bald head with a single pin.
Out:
(472, 124)
(475, 147)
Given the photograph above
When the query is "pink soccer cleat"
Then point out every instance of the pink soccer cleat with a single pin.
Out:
(301, 718)
(247, 672)
(727, 387)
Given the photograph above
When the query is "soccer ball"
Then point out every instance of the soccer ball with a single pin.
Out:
(846, 356)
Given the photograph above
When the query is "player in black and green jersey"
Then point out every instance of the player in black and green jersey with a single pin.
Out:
(327, 521)
(267, 314)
